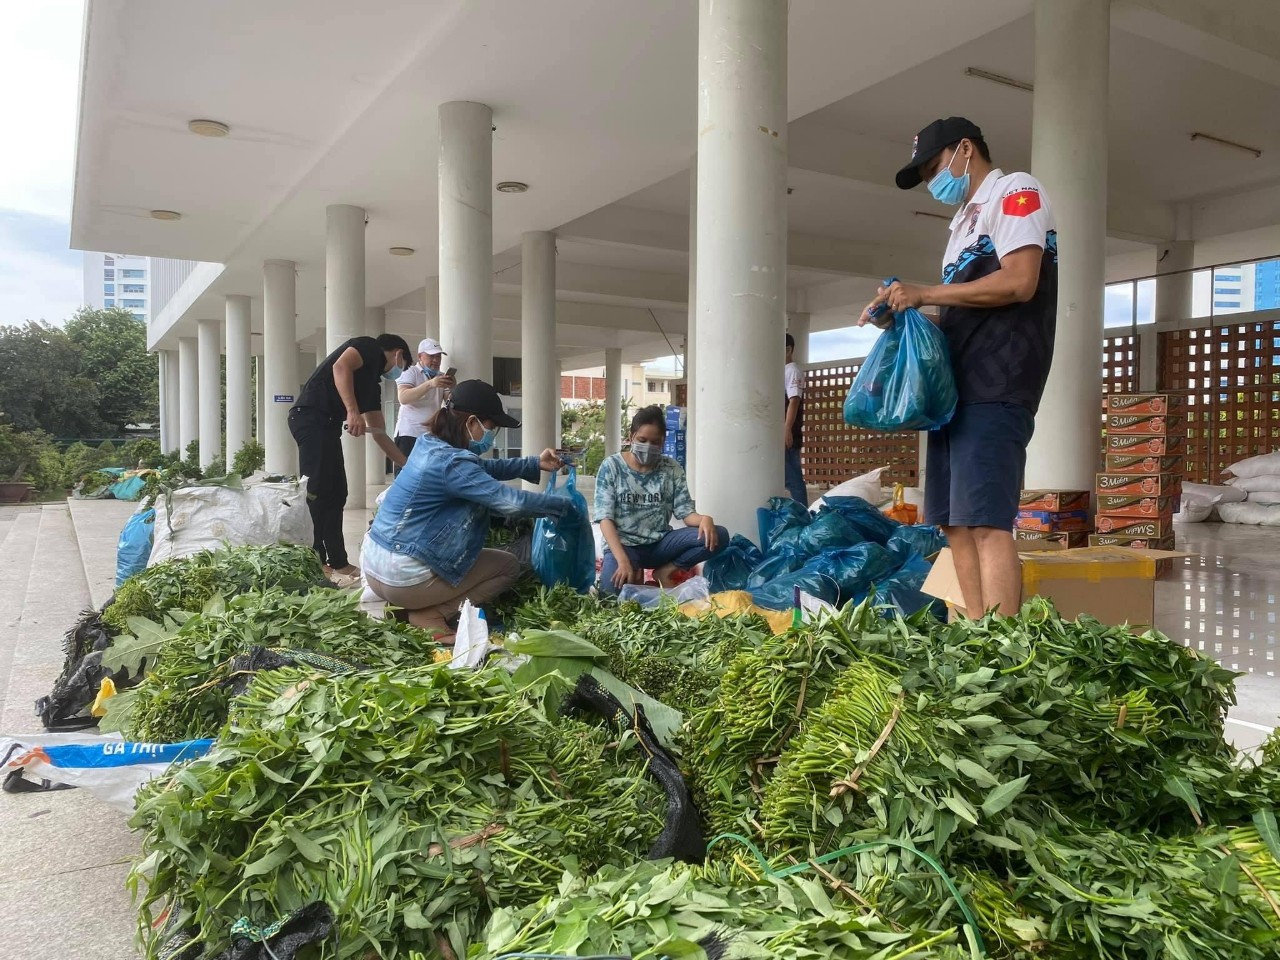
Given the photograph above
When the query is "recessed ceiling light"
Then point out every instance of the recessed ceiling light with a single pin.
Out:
(208, 128)
(1244, 148)
(165, 215)
(402, 251)
(512, 186)
(999, 78)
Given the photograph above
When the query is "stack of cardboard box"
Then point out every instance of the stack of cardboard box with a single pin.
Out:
(676, 445)
(1053, 519)
(1141, 486)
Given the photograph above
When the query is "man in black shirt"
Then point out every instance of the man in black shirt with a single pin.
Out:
(347, 386)
(999, 300)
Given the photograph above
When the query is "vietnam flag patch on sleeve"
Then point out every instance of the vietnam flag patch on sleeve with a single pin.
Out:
(1021, 203)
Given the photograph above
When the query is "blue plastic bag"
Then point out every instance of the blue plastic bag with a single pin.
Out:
(830, 530)
(837, 576)
(901, 592)
(134, 546)
(865, 518)
(920, 539)
(782, 514)
(783, 561)
(906, 381)
(564, 551)
(730, 568)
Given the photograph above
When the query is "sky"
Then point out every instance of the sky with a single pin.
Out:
(40, 278)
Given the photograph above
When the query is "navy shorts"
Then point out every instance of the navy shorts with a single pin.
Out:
(975, 466)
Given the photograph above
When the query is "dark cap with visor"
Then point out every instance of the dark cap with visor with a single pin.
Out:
(930, 142)
(481, 400)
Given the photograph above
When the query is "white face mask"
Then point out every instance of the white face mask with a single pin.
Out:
(646, 454)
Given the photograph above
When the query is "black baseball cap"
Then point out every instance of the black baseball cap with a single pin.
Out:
(930, 142)
(481, 399)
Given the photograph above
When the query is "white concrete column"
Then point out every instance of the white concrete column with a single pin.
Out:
(741, 251)
(344, 315)
(798, 326)
(540, 384)
(1173, 295)
(691, 340)
(431, 306)
(260, 401)
(1069, 156)
(279, 368)
(612, 400)
(307, 363)
(239, 389)
(466, 238)
(209, 349)
(375, 460)
(170, 400)
(188, 393)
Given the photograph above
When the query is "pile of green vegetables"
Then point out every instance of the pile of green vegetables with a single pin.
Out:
(187, 583)
(1016, 788)
(190, 663)
(413, 802)
(1074, 775)
(654, 910)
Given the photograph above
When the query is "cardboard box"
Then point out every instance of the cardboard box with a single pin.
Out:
(1157, 484)
(1145, 424)
(1113, 584)
(1136, 527)
(1144, 402)
(1145, 445)
(1058, 501)
(1136, 505)
(1143, 463)
(1032, 539)
(1133, 543)
(1048, 521)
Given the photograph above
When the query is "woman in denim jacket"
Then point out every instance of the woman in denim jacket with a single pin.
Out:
(425, 551)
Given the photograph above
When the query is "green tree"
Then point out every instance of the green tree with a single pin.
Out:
(42, 386)
(112, 349)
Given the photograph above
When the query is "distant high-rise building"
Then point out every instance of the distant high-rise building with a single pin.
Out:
(1266, 285)
(118, 280)
(1234, 289)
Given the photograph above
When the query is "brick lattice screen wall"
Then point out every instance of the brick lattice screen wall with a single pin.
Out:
(1231, 376)
(834, 452)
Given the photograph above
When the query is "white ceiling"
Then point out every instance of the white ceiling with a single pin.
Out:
(594, 107)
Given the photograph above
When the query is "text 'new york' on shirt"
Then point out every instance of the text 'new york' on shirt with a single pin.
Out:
(1002, 354)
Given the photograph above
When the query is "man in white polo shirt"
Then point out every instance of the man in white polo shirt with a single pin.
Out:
(421, 392)
(999, 300)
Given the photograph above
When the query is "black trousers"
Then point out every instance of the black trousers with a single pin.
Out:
(405, 445)
(319, 439)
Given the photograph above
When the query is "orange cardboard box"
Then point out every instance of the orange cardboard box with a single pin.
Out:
(1151, 527)
(1143, 445)
(1133, 543)
(1055, 501)
(1143, 463)
(1144, 402)
(1050, 541)
(1048, 521)
(1151, 485)
(1145, 424)
(1136, 505)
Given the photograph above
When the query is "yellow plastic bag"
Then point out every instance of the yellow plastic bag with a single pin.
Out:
(732, 603)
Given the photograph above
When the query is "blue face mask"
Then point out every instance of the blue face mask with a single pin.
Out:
(484, 444)
(393, 374)
(946, 187)
(431, 372)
